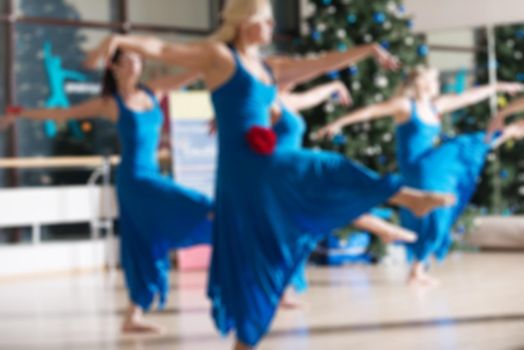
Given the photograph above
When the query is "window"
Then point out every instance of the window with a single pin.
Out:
(194, 14)
(98, 10)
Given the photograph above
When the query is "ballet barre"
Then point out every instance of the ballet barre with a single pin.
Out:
(91, 203)
(58, 162)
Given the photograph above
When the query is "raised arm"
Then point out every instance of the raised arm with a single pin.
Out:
(452, 102)
(289, 71)
(213, 59)
(163, 86)
(396, 107)
(315, 96)
(93, 108)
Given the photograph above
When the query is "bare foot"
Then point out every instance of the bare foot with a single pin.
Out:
(431, 201)
(423, 280)
(134, 322)
(241, 346)
(418, 277)
(142, 326)
(290, 302)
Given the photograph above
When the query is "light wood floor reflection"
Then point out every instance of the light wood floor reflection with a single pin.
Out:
(480, 305)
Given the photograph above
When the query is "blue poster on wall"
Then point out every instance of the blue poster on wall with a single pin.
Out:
(57, 77)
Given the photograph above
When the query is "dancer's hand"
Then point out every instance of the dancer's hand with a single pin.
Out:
(385, 59)
(327, 132)
(510, 88)
(496, 124)
(6, 121)
(343, 94)
(12, 112)
(103, 52)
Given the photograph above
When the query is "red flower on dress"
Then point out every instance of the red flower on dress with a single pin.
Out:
(262, 140)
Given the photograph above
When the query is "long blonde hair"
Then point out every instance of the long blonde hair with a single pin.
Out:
(234, 13)
(408, 88)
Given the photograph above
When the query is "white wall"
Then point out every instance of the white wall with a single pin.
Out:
(449, 60)
(445, 14)
(185, 13)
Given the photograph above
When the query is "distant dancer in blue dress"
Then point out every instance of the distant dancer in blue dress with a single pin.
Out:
(156, 214)
(427, 163)
(272, 206)
(290, 128)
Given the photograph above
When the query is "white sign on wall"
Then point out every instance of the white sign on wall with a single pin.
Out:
(194, 148)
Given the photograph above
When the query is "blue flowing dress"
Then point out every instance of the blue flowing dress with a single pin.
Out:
(272, 210)
(156, 214)
(290, 130)
(452, 166)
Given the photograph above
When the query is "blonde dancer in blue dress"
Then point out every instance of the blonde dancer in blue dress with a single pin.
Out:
(156, 214)
(272, 206)
(452, 166)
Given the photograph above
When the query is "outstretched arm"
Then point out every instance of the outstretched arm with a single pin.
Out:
(213, 59)
(96, 107)
(289, 71)
(452, 102)
(163, 86)
(396, 107)
(313, 97)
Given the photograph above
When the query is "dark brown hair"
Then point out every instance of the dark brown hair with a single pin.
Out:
(109, 86)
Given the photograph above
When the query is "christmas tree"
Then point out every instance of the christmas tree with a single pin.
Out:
(340, 25)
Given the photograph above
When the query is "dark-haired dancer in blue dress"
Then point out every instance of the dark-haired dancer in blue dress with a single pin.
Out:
(156, 214)
(271, 206)
(451, 166)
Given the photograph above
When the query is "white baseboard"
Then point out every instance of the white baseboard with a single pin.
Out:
(22, 260)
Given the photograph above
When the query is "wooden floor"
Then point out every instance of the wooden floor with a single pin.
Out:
(479, 306)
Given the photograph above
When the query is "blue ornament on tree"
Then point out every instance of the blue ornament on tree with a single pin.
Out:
(382, 159)
(385, 44)
(410, 24)
(342, 47)
(327, 2)
(504, 174)
(519, 34)
(333, 75)
(316, 35)
(423, 50)
(353, 70)
(352, 19)
(379, 17)
(339, 140)
(401, 9)
(520, 76)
